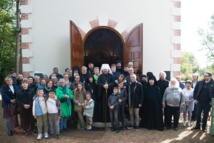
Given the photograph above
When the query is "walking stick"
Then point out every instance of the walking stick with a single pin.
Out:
(106, 110)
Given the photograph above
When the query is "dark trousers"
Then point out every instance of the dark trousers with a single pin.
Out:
(199, 108)
(172, 111)
(114, 118)
(194, 113)
(28, 119)
(122, 114)
(165, 116)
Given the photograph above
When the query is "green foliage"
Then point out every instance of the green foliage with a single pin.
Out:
(7, 37)
(189, 65)
(208, 40)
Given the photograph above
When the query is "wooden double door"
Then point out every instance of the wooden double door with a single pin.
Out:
(132, 47)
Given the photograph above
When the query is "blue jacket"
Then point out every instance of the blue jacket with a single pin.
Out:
(38, 109)
(7, 94)
(113, 100)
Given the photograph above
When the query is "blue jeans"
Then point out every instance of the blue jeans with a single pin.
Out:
(10, 123)
(199, 108)
(63, 123)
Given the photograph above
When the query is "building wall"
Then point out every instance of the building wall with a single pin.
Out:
(46, 39)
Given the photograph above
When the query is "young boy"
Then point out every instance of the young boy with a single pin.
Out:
(54, 113)
(40, 113)
(25, 100)
(96, 74)
(122, 102)
(114, 109)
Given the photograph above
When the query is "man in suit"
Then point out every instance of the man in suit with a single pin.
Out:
(203, 93)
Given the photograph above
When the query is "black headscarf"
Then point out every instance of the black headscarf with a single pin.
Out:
(152, 78)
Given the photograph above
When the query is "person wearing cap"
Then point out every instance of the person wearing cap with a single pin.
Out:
(126, 70)
(65, 95)
(152, 103)
(105, 86)
(189, 102)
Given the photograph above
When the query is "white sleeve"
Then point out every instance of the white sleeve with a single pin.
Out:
(34, 107)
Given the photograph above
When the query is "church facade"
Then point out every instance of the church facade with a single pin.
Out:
(70, 33)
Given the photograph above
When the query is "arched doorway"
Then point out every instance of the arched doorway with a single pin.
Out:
(102, 45)
(131, 49)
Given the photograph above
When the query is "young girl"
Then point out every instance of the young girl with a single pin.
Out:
(40, 113)
(78, 100)
(88, 110)
(90, 86)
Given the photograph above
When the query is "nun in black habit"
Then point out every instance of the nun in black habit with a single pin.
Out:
(105, 88)
(152, 118)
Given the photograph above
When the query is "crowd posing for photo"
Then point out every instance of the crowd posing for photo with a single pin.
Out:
(46, 106)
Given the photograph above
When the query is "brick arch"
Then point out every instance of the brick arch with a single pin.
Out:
(110, 24)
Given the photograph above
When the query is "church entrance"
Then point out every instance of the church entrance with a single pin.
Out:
(105, 45)
(102, 45)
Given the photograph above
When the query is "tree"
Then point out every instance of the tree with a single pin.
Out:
(8, 33)
(189, 65)
(208, 40)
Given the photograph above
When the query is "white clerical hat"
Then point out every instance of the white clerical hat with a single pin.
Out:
(105, 66)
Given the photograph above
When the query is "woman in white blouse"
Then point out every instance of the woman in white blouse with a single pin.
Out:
(189, 102)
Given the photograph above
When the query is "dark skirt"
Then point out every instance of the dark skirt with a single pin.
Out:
(9, 110)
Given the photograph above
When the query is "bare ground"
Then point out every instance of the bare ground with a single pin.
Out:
(184, 135)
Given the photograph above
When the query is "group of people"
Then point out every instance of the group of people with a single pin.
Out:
(106, 94)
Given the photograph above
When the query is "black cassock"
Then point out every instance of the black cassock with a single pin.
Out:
(152, 109)
(101, 100)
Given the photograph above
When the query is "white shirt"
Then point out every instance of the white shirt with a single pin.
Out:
(42, 105)
(11, 88)
(51, 106)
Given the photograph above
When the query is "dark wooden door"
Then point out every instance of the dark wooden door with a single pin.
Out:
(133, 50)
(76, 45)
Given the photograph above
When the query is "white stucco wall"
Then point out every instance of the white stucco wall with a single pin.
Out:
(50, 29)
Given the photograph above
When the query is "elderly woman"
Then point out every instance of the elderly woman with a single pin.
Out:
(173, 100)
(189, 102)
(64, 94)
(9, 92)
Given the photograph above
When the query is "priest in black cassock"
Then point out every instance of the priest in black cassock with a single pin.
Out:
(152, 115)
(105, 88)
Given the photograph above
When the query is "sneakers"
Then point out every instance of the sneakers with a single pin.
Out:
(137, 129)
(130, 127)
(24, 133)
(46, 135)
(185, 124)
(89, 127)
(34, 132)
(39, 137)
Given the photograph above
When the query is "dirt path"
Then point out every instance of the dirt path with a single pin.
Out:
(183, 135)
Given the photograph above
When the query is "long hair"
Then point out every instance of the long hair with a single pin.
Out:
(77, 91)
